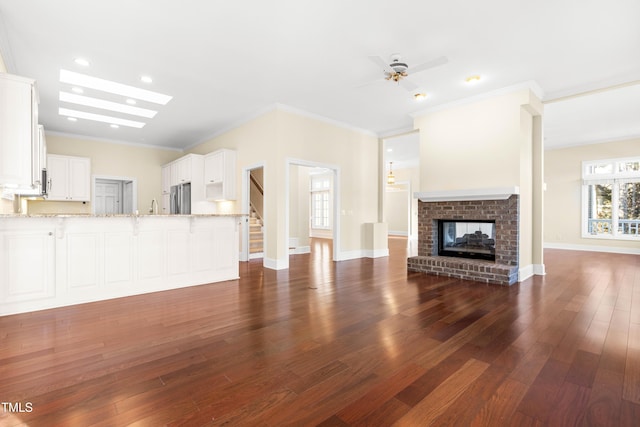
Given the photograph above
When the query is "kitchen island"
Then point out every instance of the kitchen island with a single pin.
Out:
(49, 261)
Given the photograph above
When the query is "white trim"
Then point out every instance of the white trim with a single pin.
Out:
(398, 233)
(245, 254)
(525, 272)
(300, 250)
(375, 253)
(348, 255)
(111, 141)
(539, 270)
(580, 143)
(499, 193)
(591, 248)
(531, 85)
(276, 264)
(336, 198)
(277, 107)
(299, 112)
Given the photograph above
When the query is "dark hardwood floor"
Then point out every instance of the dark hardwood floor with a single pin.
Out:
(353, 343)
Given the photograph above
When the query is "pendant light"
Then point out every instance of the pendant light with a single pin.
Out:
(390, 178)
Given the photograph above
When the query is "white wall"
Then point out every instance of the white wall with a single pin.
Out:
(563, 196)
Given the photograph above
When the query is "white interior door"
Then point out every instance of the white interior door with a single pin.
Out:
(108, 197)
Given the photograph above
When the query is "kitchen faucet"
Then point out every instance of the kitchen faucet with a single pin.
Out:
(154, 207)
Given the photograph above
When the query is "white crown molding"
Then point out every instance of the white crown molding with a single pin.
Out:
(498, 193)
(110, 141)
(294, 110)
(278, 107)
(592, 142)
(531, 85)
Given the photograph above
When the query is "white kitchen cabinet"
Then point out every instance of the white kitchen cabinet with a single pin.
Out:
(186, 169)
(27, 263)
(48, 261)
(18, 132)
(166, 179)
(165, 206)
(69, 178)
(220, 175)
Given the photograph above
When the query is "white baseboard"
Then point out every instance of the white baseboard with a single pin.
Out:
(300, 250)
(398, 233)
(592, 248)
(376, 253)
(276, 264)
(345, 256)
(529, 271)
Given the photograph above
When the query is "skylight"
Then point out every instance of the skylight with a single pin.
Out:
(103, 85)
(100, 118)
(130, 94)
(106, 105)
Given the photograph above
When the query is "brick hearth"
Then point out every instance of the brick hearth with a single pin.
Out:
(505, 213)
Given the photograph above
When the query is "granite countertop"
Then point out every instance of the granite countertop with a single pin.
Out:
(51, 215)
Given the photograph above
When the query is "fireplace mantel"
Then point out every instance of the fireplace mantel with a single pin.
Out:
(499, 193)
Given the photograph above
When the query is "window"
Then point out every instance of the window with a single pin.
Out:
(611, 199)
(320, 202)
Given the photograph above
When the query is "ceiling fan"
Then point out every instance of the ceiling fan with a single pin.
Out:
(398, 71)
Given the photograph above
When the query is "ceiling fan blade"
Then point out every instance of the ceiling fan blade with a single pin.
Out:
(382, 64)
(408, 85)
(429, 64)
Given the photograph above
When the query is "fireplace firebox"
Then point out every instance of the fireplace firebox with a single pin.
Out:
(467, 239)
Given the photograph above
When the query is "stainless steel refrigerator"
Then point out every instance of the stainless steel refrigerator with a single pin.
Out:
(181, 199)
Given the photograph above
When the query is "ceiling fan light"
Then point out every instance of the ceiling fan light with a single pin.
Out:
(472, 79)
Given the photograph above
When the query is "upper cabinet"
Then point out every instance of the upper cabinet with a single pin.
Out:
(19, 135)
(185, 169)
(69, 178)
(220, 175)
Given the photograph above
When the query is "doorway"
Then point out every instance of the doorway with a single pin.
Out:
(312, 206)
(114, 195)
(253, 238)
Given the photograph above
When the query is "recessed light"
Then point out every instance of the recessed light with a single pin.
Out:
(114, 126)
(72, 119)
(90, 82)
(420, 96)
(389, 150)
(82, 62)
(99, 118)
(131, 101)
(106, 105)
(77, 89)
(472, 79)
(146, 79)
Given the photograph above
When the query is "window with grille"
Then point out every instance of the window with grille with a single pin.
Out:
(611, 199)
(321, 202)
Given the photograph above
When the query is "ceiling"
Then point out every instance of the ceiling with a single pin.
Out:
(224, 62)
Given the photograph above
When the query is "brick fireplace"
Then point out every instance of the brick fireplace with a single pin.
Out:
(500, 205)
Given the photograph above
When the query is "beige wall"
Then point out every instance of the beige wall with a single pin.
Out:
(563, 197)
(109, 159)
(487, 144)
(281, 136)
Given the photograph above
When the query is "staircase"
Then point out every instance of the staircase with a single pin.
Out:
(256, 237)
